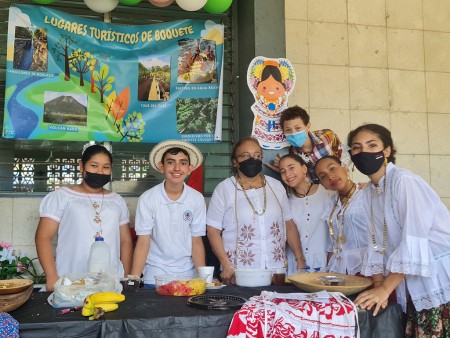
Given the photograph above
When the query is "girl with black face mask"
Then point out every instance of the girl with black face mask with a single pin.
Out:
(409, 236)
(78, 214)
(249, 217)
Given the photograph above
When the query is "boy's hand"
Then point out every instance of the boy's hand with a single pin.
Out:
(276, 163)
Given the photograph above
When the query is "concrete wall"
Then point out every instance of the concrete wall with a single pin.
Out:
(380, 61)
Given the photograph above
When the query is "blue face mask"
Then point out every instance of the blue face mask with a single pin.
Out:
(297, 139)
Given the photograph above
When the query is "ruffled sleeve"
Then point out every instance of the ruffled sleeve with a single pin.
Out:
(411, 203)
(54, 204)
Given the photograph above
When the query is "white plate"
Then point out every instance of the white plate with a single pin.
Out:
(215, 287)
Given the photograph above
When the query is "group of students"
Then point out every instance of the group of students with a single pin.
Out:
(393, 228)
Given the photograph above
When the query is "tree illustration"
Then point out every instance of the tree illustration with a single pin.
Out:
(61, 50)
(131, 127)
(196, 115)
(128, 126)
(81, 62)
(103, 81)
(95, 63)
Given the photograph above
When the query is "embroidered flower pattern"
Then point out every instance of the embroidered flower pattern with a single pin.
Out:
(278, 242)
(245, 255)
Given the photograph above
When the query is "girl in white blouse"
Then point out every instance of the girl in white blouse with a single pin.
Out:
(409, 228)
(345, 217)
(307, 202)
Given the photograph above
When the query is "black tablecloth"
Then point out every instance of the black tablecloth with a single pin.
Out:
(147, 314)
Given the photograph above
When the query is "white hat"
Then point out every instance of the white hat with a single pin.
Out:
(195, 155)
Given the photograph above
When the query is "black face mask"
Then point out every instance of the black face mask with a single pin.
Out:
(250, 167)
(368, 163)
(96, 180)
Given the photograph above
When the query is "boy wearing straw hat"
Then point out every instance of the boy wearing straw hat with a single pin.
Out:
(170, 217)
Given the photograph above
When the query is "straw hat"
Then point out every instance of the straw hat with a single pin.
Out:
(309, 282)
(195, 155)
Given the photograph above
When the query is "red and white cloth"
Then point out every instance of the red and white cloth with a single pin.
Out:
(304, 315)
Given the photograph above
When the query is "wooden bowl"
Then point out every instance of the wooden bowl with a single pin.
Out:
(10, 286)
(13, 301)
(310, 282)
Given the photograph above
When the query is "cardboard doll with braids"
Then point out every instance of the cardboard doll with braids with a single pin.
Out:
(271, 81)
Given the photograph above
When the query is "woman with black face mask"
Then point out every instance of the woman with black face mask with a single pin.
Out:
(249, 218)
(409, 230)
(80, 213)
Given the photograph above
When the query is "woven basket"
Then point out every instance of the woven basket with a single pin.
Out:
(309, 282)
(11, 301)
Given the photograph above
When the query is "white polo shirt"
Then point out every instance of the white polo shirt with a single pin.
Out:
(171, 226)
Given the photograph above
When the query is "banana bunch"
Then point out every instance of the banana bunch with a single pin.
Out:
(98, 303)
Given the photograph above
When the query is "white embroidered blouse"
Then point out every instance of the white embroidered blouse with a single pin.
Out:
(418, 237)
(249, 239)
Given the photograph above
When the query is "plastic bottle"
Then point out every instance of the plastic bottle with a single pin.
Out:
(99, 256)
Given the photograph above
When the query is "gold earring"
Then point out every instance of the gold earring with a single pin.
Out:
(385, 161)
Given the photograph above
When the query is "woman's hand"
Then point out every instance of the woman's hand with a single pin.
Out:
(301, 263)
(227, 275)
(377, 297)
(50, 282)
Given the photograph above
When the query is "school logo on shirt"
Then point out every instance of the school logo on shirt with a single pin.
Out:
(187, 216)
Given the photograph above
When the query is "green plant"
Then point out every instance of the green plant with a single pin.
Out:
(16, 265)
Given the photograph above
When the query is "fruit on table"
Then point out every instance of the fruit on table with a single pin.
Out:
(107, 301)
(182, 288)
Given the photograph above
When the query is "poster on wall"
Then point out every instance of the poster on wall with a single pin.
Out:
(71, 78)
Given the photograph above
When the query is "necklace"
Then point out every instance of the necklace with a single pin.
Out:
(97, 210)
(283, 239)
(340, 240)
(239, 180)
(250, 184)
(374, 241)
(303, 195)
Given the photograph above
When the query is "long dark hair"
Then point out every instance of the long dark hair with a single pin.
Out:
(382, 132)
(92, 150)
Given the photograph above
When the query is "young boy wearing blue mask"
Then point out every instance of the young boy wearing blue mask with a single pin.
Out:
(310, 145)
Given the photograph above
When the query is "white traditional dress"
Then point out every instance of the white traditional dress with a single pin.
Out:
(417, 237)
(349, 220)
(307, 214)
(253, 237)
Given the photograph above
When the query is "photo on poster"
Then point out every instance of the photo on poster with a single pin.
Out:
(196, 115)
(40, 50)
(30, 49)
(197, 61)
(23, 48)
(154, 78)
(65, 108)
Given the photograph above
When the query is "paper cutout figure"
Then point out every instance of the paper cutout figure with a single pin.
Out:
(271, 81)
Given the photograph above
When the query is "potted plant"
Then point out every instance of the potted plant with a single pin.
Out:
(14, 264)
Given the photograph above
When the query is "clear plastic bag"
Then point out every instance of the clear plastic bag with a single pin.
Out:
(72, 288)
